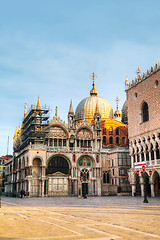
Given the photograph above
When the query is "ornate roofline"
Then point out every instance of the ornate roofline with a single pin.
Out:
(149, 72)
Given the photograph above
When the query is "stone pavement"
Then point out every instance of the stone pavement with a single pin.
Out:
(73, 218)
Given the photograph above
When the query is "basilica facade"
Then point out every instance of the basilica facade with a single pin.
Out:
(87, 156)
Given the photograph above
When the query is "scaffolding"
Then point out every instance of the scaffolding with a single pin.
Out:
(34, 127)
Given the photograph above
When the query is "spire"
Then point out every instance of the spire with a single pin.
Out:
(19, 129)
(93, 92)
(97, 108)
(71, 108)
(117, 112)
(15, 135)
(56, 112)
(138, 72)
(38, 104)
(25, 111)
(127, 83)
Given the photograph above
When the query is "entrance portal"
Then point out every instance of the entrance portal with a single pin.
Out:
(84, 189)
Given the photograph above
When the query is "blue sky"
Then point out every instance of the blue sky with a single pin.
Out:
(49, 48)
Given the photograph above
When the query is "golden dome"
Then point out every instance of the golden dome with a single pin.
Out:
(87, 107)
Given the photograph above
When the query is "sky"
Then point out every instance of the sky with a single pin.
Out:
(49, 49)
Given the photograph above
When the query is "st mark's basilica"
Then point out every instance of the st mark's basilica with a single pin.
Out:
(88, 155)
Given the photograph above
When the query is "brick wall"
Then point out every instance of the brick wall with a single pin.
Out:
(147, 91)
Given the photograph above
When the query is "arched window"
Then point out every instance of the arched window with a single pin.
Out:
(147, 153)
(145, 112)
(117, 140)
(111, 140)
(134, 158)
(104, 139)
(157, 152)
(58, 164)
(137, 154)
(142, 154)
(110, 131)
(152, 152)
(104, 178)
(117, 131)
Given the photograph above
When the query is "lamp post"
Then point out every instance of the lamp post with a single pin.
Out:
(145, 176)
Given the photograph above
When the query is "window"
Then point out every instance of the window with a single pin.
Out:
(122, 172)
(157, 152)
(145, 112)
(104, 139)
(137, 154)
(147, 153)
(106, 177)
(156, 83)
(117, 140)
(110, 131)
(117, 131)
(152, 152)
(55, 142)
(104, 131)
(64, 142)
(111, 140)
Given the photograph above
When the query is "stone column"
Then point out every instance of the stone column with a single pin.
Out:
(29, 187)
(140, 157)
(150, 162)
(155, 159)
(43, 188)
(99, 187)
(132, 161)
(133, 189)
(75, 144)
(144, 155)
(152, 190)
(76, 187)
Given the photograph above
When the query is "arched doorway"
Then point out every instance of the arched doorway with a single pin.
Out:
(36, 174)
(86, 172)
(156, 180)
(58, 171)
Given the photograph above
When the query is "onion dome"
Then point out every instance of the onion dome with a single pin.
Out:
(87, 107)
(117, 112)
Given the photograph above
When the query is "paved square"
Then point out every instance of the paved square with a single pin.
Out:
(73, 218)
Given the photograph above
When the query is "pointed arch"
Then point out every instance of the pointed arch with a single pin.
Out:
(144, 112)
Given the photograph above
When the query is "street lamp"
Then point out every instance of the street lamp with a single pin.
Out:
(145, 176)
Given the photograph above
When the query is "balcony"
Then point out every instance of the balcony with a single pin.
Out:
(153, 163)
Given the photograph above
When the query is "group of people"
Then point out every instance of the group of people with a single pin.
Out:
(22, 194)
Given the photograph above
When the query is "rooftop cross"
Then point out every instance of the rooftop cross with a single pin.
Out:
(117, 101)
(93, 76)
